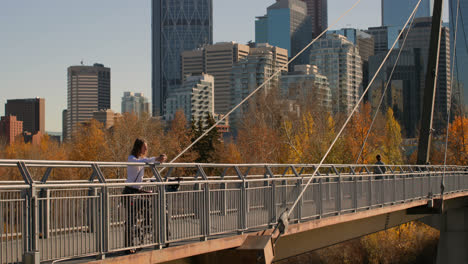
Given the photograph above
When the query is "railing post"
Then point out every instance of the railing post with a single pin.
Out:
(162, 215)
(320, 199)
(44, 213)
(339, 194)
(301, 201)
(370, 191)
(104, 223)
(30, 221)
(355, 200)
(272, 197)
(205, 214)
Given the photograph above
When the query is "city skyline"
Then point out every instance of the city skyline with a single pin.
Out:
(117, 35)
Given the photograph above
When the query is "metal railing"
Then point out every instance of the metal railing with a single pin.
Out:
(46, 220)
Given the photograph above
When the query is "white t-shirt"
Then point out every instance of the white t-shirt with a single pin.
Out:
(136, 173)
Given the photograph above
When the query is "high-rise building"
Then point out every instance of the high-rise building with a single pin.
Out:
(419, 38)
(307, 83)
(338, 58)
(88, 92)
(176, 26)
(318, 12)
(251, 72)
(10, 128)
(286, 25)
(380, 34)
(461, 60)
(216, 60)
(403, 94)
(363, 40)
(30, 111)
(135, 103)
(194, 97)
(395, 13)
(365, 44)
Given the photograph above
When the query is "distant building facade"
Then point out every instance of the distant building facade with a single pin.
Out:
(194, 97)
(419, 38)
(380, 34)
(305, 82)
(251, 72)
(10, 129)
(30, 111)
(338, 59)
(318, 13)
(135, 103)
(403, 93)
(286, 25)
(176, 26)
(395, 13)
(88, 92)
(461, 60)
(216, 60)
(106, 117)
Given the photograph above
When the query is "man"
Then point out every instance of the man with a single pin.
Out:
(379, 169)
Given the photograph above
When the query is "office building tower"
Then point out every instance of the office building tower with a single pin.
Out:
(135, 103)
(419, 38)
(88, 92)
(363, 40)
(10, 128)
(318, 12)
(251, 72)
(337, 58)
(461, 60)
(403, 94)
(216, 60)
(380, 35)
(395, 13)
(194, 97)
(305, 82)
(176, 26)
(286, 25)
(30, 111)
(365, 44)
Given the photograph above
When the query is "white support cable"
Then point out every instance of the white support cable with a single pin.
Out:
(451, 87)
(264, 83)
(353, 111)
(385, 90)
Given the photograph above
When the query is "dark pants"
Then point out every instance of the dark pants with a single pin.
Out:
(134, 206)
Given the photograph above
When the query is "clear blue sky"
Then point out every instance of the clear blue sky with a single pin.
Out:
(40, 39)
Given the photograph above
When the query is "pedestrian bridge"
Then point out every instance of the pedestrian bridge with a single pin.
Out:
(211, 211)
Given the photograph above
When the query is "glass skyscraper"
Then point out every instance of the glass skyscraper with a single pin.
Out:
(177, 25)
(395, 13)
(461, 63)
(286, 25)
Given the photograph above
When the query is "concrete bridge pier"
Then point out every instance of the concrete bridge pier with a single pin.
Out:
(453, 241)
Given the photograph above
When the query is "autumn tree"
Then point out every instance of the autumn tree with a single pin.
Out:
(178, 138)
(206, 146)
(392, 142)
(458, 141)
(88, 143)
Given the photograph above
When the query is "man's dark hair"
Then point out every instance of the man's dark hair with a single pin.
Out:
(136, 150)
(378, 157)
